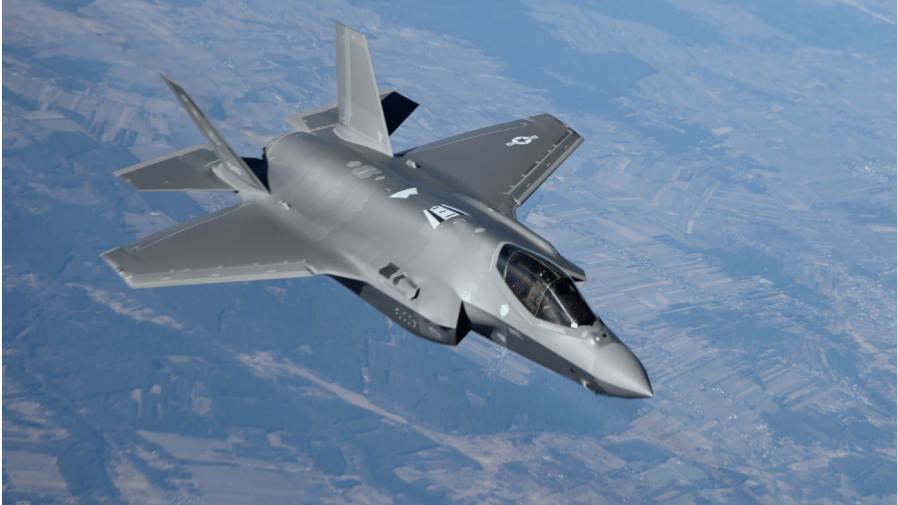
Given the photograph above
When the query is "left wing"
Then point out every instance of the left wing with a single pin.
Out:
(239, 243)
(501, 165)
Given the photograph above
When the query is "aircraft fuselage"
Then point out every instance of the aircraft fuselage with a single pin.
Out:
(426, 257)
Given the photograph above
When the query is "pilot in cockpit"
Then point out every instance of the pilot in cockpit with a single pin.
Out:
(546, 291)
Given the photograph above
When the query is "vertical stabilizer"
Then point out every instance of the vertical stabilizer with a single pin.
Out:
(359, 109)
(233, 169)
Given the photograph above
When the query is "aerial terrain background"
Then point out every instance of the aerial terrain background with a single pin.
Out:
(734, 207)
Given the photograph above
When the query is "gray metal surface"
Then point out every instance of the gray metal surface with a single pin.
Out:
(234, 170)
(501, 165)
(418, 236)
(186, 170)
(240, 243)
(396, 108)
(359, 110)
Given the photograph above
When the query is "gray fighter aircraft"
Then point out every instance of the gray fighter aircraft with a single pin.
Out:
(427, 236)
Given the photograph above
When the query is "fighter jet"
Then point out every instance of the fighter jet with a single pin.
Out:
(427, 236)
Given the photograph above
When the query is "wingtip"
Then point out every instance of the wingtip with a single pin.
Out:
(172, 85)
(111, 261)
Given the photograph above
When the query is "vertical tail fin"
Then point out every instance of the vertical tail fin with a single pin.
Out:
(234, 172)
(359, 109)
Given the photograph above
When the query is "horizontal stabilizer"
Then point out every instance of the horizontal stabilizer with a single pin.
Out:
(396, 109)
(186, 170)
(239, 243)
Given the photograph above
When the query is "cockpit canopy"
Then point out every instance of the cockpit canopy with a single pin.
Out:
(546, 291)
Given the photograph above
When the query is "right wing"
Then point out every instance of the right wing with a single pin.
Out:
(501, 165)
(239, 243)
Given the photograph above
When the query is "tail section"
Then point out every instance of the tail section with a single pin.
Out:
(362, 115)
(396, 109)
(231, 169)
(359, 112)
(186, 170)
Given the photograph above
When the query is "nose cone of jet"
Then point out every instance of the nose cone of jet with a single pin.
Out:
(620, 373)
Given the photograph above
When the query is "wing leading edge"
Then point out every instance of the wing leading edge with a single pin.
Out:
(239, 243)
(501, 165)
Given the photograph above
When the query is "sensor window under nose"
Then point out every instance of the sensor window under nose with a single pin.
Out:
(544, 289)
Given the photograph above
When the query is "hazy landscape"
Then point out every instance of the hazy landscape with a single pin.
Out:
(733, 206)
